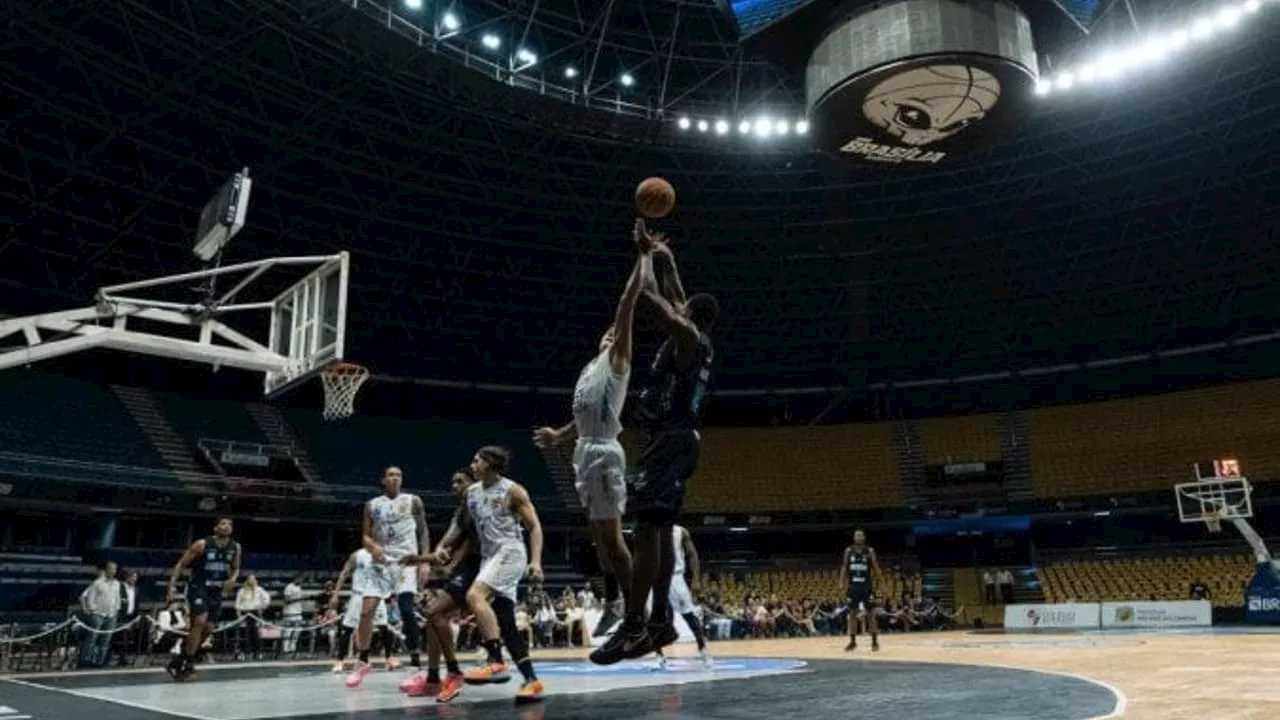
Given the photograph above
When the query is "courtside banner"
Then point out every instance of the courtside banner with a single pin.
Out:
(1184, 613)
(1052, 617)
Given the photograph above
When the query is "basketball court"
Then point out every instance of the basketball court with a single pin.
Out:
(1071, 676)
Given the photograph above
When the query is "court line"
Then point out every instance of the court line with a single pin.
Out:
(123, 703)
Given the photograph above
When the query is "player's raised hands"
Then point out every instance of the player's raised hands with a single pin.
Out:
(545, 437)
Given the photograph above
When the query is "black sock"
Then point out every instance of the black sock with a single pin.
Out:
(611, 590)
(526, 669)
(452, 667)
(364, 656)
(415, 660)
(695, 626)
(495, 650)
(433, 675)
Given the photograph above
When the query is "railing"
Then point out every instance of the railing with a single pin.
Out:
(82, 472)
(85, 642)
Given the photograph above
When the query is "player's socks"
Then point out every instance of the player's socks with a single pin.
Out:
(525, 667)
(494, 650)
(364, 656)
(415, 660)
(433, 675)
(611, 589)
(453, 667)
(875, 642)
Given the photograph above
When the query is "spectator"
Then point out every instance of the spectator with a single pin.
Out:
(1006, 586)
(988, 587)
(292, 615)
(522, 623)
(575, 622)
(251, 602)
(101, 605)
(171, 623)
(1200, 591)
(128, 639)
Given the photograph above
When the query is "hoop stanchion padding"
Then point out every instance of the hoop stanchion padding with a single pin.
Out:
(342, 382)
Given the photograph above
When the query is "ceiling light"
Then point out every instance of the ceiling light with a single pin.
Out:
(722, 127)
(744, 127)
(802, 127)
(627, 80)
(763, 126)
(683, 123)
(702, 126)
(413, 4)
(571, 72)
(527, 57)
(782, 127)
(450, 22)
(491, 41)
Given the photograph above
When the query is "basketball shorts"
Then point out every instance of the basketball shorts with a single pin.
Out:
(666, 464)
(861, 598)
(351, 618)
(461, 580)
(681, 597)
(600, 467)
(503, 570)
(205, 600)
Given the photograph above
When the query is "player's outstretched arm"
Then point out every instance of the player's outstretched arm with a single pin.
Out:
(624, 317)
(844, 568)
(191, 553)
(691, 560)
(420, 521)
(545, 437)
(341, 582)
(370, 542)
(523, 506)
(680, 328)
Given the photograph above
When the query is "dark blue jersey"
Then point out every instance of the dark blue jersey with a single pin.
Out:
(673, 396)
(213, 566)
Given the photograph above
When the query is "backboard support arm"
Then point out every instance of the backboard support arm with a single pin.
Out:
(107, 324)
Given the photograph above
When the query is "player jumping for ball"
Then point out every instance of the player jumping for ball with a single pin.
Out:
(598, 459)
(856, 575)
(669, 410)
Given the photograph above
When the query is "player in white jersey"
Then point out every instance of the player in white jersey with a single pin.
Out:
(682, 602)
(396, 535)
(598, 458)
(501, 511)
(367, 579)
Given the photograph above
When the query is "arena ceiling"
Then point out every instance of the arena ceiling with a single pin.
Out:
(488, 223)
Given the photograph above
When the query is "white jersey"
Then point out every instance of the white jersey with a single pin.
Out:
(598, 398)
(393, 525)
(496, 524)
(677, 545)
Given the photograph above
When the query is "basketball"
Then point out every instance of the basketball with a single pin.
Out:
(655, 197)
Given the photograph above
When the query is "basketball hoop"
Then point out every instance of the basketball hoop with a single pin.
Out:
(1214, 521)
(342, 382)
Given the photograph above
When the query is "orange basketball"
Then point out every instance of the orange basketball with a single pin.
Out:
(655, 197)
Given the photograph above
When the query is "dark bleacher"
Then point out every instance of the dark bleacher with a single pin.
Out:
(57, 427)
(65, 418)
(355, 451)
(195, 419)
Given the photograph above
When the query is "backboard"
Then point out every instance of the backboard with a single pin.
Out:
(1212, 500)
(309, 325)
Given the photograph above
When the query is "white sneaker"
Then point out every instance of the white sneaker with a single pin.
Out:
(661, 665)
(706, 658)
(339, 667)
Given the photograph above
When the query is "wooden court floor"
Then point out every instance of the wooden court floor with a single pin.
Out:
(1162, 677)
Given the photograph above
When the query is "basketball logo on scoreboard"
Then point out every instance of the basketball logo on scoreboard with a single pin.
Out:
(923, 111)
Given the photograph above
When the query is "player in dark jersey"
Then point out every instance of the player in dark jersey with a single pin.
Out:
(214, 562)
(458, 564)
(669, 410)
(856, 574)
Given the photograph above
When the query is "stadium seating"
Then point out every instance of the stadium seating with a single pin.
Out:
(70, 420)
(196, 419)
(791, 586)
(1147, 578)
(1151, 443)
(355, 451)
(974, 438)
(796, 468)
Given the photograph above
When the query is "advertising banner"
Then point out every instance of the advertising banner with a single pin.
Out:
(1262, 598)
(1070, 616)
(1185, 613)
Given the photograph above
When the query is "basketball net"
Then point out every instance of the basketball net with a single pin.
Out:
(342, 382)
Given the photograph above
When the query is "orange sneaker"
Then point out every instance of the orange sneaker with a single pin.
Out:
(530, 692)
(487, 673)
(450, 688)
